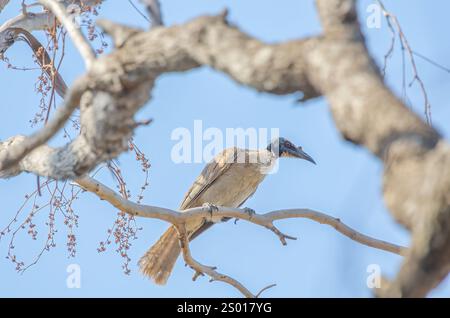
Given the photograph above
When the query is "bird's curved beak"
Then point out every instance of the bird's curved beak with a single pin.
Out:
(299, 153)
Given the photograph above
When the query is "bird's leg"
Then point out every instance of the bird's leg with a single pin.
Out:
(250, 213)
(198, 274)
(211, 208)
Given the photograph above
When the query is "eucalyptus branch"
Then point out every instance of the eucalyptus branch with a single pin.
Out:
(180, 218)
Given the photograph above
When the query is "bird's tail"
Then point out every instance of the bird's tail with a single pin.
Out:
(158, 261)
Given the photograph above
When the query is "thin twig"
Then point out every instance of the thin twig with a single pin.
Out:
(201, 269)
(393, 21)
(264, 289)
(434, 63)
(139, 11)
(74, 32)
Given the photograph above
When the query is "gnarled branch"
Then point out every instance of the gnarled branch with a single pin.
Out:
(13, 150)
(336, 65)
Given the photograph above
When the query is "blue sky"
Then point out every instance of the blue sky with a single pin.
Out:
(346, 183)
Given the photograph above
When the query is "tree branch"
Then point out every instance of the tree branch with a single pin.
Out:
(154, 11)
(40, 20)
(179, 219)
(13, 150)
(416, 178)
(3, 4)
(336, 65)
(78, 38)
(201, 269)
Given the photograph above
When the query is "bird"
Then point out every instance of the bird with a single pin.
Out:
(228, 180)
(10, 35)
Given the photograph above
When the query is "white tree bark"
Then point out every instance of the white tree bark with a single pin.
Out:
(38, 21)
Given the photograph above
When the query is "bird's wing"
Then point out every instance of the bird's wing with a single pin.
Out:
(209, 175)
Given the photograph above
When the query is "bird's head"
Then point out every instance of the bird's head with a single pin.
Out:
(281, 147)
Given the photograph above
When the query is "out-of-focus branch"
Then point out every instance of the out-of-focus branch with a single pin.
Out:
(29, 22)
(40, 20)
(179, 219)
(336, 65)
(3, 4)
(416, 181)
(120, 83)
(78, 38)
(154, 11)
(16, 148)
(9, 36)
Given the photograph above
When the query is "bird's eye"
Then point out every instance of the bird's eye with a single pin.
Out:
(288, 144)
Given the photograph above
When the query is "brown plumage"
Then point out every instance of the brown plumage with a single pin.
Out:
(228, 180)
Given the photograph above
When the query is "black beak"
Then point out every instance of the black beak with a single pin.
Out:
(299, 153)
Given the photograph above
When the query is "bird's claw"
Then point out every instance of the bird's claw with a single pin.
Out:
(211, 208)
(198, 274)
(249, 211)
